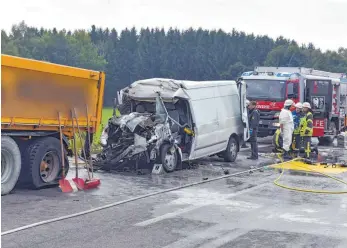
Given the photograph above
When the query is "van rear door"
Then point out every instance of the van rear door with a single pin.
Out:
(244, 111)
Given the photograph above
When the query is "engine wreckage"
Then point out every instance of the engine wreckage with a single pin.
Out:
(137, 140)
(137, 137)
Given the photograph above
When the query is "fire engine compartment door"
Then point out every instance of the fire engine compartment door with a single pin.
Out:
(319, 95)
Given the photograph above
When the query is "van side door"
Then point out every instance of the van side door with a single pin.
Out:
(204, 113)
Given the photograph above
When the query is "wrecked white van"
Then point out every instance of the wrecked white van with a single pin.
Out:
(170, 121)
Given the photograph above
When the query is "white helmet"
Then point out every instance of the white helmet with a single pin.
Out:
(247, 102)
(298, 105)
(288, 102)
(306, 105)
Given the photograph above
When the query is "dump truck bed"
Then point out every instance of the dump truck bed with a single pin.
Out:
(33, 92)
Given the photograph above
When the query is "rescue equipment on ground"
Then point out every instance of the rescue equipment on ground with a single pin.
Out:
(91, 182)
(307, 166)
(64, 184)
(78, 181)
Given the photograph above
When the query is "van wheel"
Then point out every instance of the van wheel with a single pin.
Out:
(10, 164)
(230, 153)
(169, 157)
(43, 158)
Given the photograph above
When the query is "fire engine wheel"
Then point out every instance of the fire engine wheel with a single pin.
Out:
(10, 164)
(43, 158)
(169, 157)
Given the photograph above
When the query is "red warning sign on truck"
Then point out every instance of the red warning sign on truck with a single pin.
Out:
(318, 127)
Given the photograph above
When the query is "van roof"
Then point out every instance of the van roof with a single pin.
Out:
(186, 84)
(204, 84)
(168, 88)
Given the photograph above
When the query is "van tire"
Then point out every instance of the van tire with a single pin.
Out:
(10, 164)
(168, 160)
(35, 153)
(230, 154)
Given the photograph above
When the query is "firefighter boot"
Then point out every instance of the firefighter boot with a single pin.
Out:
(286, 155)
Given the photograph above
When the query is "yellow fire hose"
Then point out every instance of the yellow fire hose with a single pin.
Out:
(308, 190)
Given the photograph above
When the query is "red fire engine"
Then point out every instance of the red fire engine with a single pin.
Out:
(271, 86)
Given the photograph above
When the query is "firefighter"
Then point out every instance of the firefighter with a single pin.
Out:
(254, 117)
(297, 117)
(306, 128)
(286, 126)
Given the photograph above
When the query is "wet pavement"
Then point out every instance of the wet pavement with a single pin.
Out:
(240, 211)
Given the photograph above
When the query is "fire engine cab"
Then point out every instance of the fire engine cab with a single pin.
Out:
(271, 86)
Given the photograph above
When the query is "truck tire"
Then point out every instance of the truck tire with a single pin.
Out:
(23, 145)
(230, 154)
(43, 163)
(169, 158)
(10, 164)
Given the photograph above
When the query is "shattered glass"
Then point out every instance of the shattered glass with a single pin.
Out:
(160, 110)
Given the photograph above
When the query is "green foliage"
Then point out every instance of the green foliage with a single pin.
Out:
(189, 54)
(54, 46)
(106, 114)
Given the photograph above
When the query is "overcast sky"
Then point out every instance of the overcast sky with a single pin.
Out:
(323, 22)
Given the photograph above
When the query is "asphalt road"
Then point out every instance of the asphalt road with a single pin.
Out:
(240, 211)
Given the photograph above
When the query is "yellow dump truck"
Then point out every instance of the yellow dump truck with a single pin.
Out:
(33, 95)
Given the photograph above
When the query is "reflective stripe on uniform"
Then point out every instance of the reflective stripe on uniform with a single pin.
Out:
(293, 143)
(308, 148)
(277, 138)
(307, 145)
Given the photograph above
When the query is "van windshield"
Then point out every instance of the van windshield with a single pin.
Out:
(259, 89)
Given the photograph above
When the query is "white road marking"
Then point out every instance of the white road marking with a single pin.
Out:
(224, 239)
(291, 217)
(168, 215)
(194, 207)
(196, 238)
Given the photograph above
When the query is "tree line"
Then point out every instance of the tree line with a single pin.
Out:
(192, 54)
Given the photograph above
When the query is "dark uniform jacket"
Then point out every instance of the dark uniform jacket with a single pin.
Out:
(254, 117)
(297, 118)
